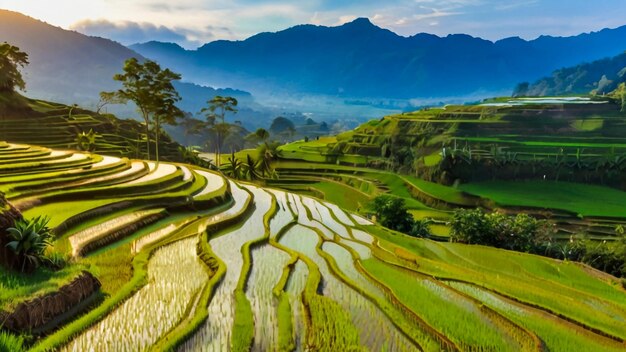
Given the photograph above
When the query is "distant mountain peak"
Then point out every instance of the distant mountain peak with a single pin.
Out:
(360, 21)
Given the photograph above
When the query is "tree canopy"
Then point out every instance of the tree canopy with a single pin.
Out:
(215, 114)
(150, 88)
(11, 60)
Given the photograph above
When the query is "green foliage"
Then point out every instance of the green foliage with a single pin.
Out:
(391, 212)
(29, 240)
(286, 342)
(251, 168)
(10, 342)
(215, 114)
(191, 155)
(524, 233)
(151, 89)
(86, 141)
(421, 228)
(234, 167)
(520, 233)
(11, 59)
(243, 329)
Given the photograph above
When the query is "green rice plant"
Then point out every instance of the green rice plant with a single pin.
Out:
(555, 333)
(283, 215)
(97, 233)
(259, 290)
(532, 280)
(169, 294)
(285, 341)
(456, 318)
(383, 332)
(219, 329)
(347, 303)
(293, 290)
(243, 329)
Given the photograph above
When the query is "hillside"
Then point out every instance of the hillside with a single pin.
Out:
(56, 125)
(556, 158)
(601, 77)
(359, 59)
(72, 68)
(265, 268)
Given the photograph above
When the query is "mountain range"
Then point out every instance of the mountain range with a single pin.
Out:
(359, 59)
(69, 67)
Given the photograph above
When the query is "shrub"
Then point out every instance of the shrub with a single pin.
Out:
(421, 228)
(391, 212)
(470, 226)
(520, 233)
(29, 240)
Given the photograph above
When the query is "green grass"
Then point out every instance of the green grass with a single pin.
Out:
(17, 287)
(587, 200)
(555, 333)
(342, 195)
(447, 194)
(588, 124)
(10, 342)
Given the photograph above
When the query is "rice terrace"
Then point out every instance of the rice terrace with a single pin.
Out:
(142, 210)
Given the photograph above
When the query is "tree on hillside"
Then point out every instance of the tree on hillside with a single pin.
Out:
(215, 114)
(11, 60)
(191, 126)
(107, 98)
(151, 89)
(260, 136)
(391, 212)
(167, 112)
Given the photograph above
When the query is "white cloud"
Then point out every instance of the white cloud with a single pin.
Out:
(128, 32)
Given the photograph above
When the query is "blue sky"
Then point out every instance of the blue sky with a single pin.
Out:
(193, 22)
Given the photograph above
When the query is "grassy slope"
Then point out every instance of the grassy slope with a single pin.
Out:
(587, 200)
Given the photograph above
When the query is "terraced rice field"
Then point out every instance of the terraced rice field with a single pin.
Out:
(192, 261)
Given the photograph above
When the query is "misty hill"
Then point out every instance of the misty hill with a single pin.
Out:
(601, 76)
(70, 67)
(359, 59)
